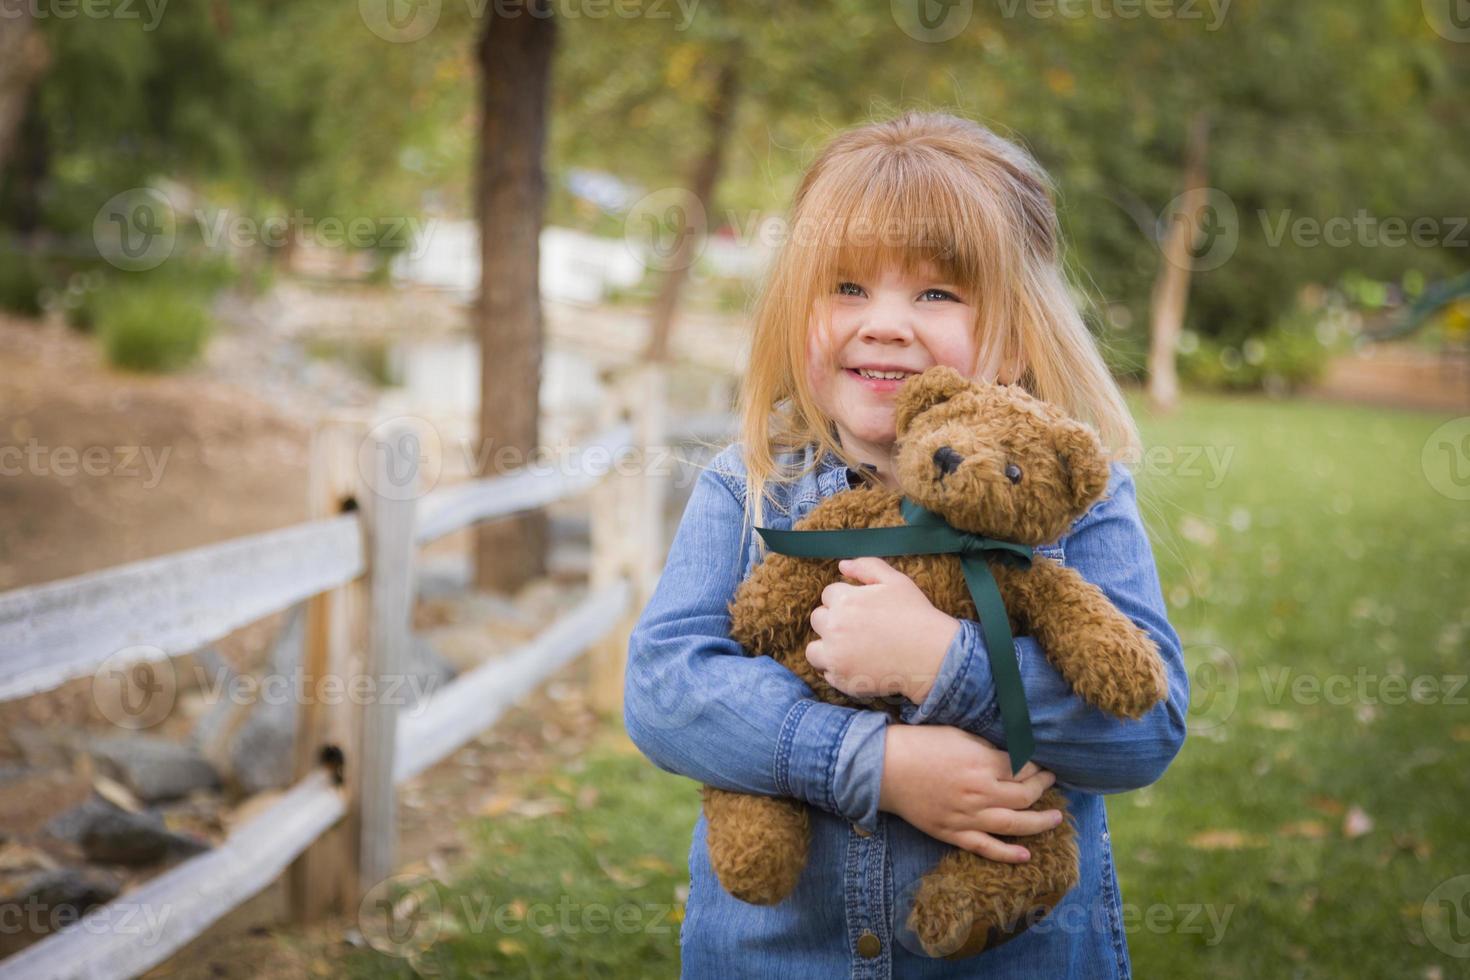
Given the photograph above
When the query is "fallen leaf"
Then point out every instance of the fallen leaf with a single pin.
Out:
(117, 794)
(1310, 829)
(539, 808)
(1279, 721)
(1326, 804)
(15, 856)
(652, 862)
(1417, 846)
(1224, 840)
(495, 805)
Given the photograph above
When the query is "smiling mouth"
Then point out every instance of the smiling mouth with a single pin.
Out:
(875, 375)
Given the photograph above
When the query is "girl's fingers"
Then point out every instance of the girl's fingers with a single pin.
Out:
(1041, 782)
(1020, 796)
(1014, 796)
(1017, 823)
(988, 847)
(1027, 771)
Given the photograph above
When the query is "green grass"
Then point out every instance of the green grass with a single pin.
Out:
(1324, 551)
(1316, 546)
(586, 877)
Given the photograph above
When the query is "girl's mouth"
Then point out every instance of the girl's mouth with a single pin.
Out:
(881, 382)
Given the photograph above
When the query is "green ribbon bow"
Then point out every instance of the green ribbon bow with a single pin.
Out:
(926, 533)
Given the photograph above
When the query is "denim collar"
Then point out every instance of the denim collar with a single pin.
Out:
(833, 475)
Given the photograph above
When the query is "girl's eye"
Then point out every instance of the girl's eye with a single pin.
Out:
(849, 289)
(940, 293)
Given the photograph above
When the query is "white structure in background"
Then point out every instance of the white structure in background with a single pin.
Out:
(575, 267)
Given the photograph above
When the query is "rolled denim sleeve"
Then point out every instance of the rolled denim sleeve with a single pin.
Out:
(695, 704)
(1087, 749)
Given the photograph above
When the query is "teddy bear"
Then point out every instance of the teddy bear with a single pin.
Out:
(991, 460)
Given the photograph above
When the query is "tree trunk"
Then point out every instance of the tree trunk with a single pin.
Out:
(515, 72)
(1170, 296)
(717, 119)
(23, 57)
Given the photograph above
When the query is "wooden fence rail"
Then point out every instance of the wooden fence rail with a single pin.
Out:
(167, 606)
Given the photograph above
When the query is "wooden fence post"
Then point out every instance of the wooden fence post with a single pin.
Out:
(321, 881)
(390, 465)
(627, 518)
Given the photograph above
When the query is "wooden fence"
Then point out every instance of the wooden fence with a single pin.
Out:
(334, 830)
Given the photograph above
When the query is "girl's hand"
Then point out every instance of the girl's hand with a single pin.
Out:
(958, 788)
(881, 636)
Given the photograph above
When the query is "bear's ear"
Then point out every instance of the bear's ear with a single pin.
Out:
(924, 391)
(1084, 465)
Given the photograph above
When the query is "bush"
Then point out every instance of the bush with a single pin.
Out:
(151, 326)
(1286, 358)
(20, 282)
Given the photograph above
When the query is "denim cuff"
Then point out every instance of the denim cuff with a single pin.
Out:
(859, 776)
(807, 753)
(963, 694)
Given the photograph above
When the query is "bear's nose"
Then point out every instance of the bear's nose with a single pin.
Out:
(947, 460)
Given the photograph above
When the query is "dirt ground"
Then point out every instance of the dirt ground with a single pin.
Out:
(101, 467)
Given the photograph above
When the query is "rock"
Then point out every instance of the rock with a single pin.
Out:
(261, 754)
(154, 768)
(111, 835)
(216, 720)
(32, 905)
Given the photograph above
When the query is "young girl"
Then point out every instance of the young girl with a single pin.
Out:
(919, 241)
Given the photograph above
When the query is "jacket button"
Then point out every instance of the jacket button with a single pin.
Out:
(861, 832)
(869, 945)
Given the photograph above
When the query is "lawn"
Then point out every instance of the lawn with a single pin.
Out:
(1314, 825)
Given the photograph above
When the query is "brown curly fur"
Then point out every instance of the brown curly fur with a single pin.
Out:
(758, 845)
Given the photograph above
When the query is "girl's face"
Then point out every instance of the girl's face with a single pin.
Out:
(879, 333)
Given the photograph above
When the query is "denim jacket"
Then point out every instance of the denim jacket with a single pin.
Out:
(696, 705)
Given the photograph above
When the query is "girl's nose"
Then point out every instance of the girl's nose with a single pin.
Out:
(887, 326)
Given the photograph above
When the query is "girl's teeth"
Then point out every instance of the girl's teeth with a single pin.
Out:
(885, 375)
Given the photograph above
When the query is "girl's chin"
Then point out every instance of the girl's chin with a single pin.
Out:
(876, 428)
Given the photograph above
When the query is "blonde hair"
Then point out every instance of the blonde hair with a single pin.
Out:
(922, 188)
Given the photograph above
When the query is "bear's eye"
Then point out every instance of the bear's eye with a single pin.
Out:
(1013, 473)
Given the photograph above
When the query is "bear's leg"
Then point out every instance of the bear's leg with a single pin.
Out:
(969, 904)
(757, 844)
